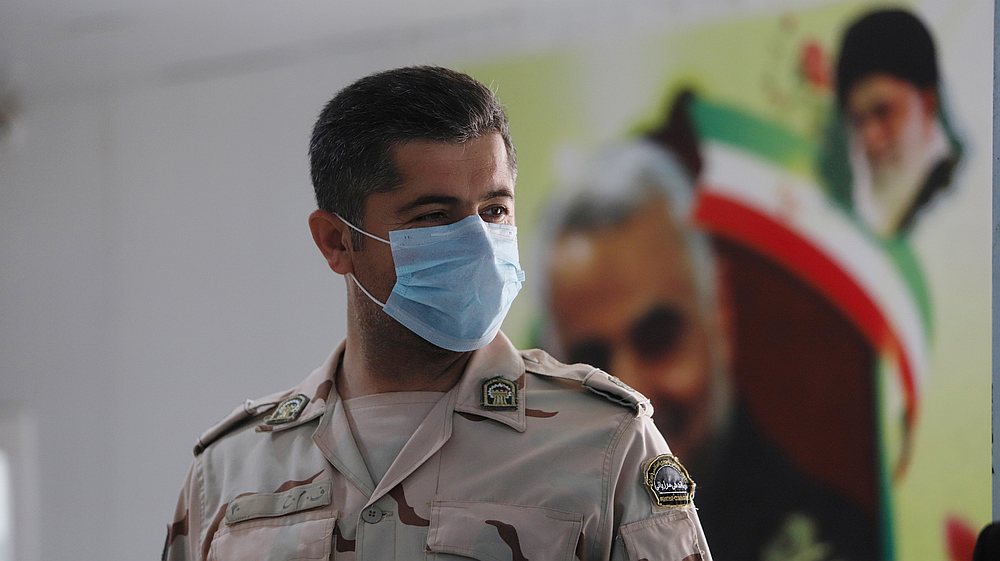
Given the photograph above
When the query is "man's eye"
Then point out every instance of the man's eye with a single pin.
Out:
(883, 111)
(494, 212)
(437, 216)
(595, 352)
(658, 333)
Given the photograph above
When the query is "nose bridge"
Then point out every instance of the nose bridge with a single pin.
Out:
(873, 134)
(468, 208)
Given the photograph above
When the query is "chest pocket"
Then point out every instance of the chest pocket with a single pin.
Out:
(294, 525)
(671, 537)
(501, 532)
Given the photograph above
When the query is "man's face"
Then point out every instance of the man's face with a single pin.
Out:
(442, 183)
(623, 298)
(891, 120)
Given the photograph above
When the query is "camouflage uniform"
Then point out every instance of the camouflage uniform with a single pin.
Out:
(557, 475)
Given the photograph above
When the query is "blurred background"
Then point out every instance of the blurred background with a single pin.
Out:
(702, 210)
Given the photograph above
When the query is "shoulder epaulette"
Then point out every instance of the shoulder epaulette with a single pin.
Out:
(249, 409)
(594, 379)
(291, 408)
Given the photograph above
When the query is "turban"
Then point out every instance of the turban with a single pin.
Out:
(890, 42)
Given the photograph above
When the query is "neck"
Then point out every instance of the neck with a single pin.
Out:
(389, 358)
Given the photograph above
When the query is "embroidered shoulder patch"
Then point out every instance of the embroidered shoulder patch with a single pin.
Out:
(668, 482)
(288, 410)
(499, 393)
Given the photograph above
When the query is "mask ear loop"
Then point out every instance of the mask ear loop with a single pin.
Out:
(360, 231)
(363, 289)
(351, 275)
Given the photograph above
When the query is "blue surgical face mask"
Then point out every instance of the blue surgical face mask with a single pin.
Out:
(454, 283)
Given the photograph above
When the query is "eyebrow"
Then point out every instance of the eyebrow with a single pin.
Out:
(449, 200)
(428, 200)
(499, 194)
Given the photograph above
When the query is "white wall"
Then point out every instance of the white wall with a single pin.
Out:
(54, 337)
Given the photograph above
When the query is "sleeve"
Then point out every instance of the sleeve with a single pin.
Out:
(653, 512)
(184, 532)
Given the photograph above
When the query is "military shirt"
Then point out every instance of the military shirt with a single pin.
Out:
(525, 458)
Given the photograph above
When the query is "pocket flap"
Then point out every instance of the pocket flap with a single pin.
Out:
(306, 536)
(497, 532)
(266, 505)
(670, 537)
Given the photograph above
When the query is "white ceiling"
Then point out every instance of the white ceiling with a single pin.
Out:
(65, 48)
(64, 45)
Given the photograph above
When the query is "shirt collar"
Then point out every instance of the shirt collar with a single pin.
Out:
(318, 387)
(498, 359)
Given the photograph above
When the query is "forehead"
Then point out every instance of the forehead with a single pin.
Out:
(609, 275)
(879, 88)
(429, 162)
(452, 173)
(489, 145)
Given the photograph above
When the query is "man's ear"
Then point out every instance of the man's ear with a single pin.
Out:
(333, 238)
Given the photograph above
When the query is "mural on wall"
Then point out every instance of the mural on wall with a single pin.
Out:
(776, 225)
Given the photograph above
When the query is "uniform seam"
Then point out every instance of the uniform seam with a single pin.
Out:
(200, 482)
(606, 513)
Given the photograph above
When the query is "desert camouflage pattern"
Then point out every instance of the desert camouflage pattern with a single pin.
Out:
(558, 477)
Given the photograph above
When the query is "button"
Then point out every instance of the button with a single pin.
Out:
(372, 515)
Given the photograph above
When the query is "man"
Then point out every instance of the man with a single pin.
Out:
(634, 288)
(426, 434)
(888, 91)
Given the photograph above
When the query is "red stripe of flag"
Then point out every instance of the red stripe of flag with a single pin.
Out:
(750, 227)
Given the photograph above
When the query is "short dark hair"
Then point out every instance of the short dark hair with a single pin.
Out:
(893, 42)
(351, 149)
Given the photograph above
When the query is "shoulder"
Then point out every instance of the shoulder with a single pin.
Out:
(601, 402)
(650, 494)
(278, 411)
(238, 417)
(585, 377)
